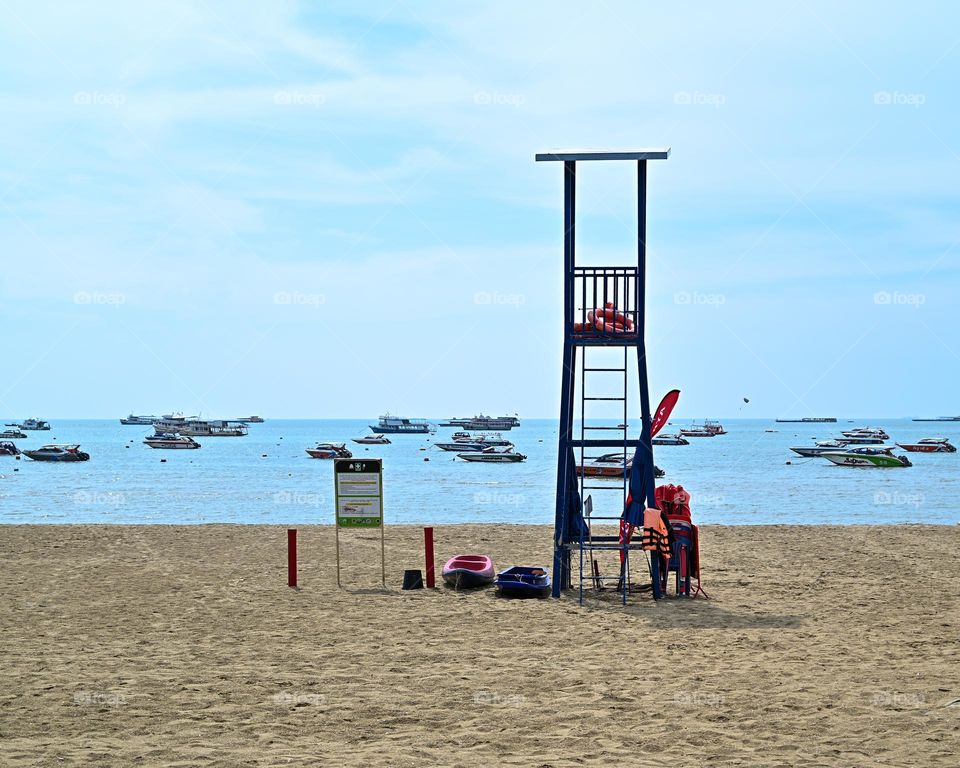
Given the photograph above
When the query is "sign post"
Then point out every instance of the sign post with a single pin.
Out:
(358, 488)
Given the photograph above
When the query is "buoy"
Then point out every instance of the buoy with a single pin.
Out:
(263, 455)
(789, 463)
(426, 458)
(163, 461)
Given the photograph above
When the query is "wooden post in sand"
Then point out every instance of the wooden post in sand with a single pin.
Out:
(291, 557)
(428, 557)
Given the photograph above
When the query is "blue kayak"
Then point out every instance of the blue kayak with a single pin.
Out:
(523, 581)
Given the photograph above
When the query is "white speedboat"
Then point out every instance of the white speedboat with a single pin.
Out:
(170, 440)
(866, 432)
(493, 456)
(670, 440)
(372, 440)
(12, 434)
(822, 446)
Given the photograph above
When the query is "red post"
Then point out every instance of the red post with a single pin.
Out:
(291, 557)
(428, 556)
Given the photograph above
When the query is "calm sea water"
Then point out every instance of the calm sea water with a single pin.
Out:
(738, 478)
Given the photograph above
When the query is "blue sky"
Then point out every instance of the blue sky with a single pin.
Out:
(333, 209)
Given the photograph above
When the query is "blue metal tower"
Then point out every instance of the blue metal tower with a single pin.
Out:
(620, 293)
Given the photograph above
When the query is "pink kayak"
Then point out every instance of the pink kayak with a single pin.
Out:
(468, 571)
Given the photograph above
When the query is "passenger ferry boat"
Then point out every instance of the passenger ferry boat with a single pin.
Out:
(250, 419)
(481, 422)
(139, 420)
(809, 420)
(31, 424)
(201, 428)
(397, 425)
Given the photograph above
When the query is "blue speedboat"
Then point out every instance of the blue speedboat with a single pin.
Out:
(523, 581)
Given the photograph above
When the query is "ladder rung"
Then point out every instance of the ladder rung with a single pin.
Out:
(633, 443)
(603, 487)
(604, 398)
(620, 370)
(621, 429)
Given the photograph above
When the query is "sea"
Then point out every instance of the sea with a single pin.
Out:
(745, 477)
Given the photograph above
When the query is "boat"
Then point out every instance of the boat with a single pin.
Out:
(250, 419)
(481, 422)
(37, 425)
(862, 439)
(397, 425)
(611, 465)
(372, 440)
(330, 451)
(523, 581)
(714, 426)
(138, 420)
(866, 432)
(9, 449)
(930, 445)
(464, 441)
(809, 420)
(670, 440)
(941, 418)
(201, 428)
(56, 452)
(170, 440)
(468, 571)
(493, 456)
(12, 434)
(867, 456)
(822, 446)
(697, 432)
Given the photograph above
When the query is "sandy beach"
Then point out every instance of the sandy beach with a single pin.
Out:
(183, 646)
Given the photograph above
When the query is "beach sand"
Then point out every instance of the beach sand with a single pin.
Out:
(183, 646)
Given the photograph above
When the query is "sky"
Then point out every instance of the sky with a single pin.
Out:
(333, 210)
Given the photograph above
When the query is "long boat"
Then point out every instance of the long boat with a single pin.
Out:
(809, 420)
(941, 418)
(398, 425)
(481, 422)
(201, 428)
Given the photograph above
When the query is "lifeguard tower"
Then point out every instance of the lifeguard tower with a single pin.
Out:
(603, 307)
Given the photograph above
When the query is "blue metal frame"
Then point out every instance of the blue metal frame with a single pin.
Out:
(568, 520)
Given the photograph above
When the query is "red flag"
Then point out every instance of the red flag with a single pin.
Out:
(664, 410)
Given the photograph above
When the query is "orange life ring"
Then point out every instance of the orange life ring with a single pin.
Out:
(606, 320)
